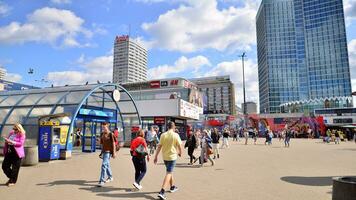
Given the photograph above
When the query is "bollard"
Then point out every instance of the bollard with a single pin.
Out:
(31, 156)
(344, 188)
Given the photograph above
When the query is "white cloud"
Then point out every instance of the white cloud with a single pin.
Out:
(61, 1)
(350, 10)
(183, 64)
(4, 9)
(197, 25)
(99, 68)
(234, 69)
(49, 25)
(13, 77)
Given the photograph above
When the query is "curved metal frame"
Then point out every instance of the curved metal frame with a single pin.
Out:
(100, 86)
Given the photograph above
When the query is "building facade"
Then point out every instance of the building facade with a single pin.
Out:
(218, 94)
(302, 52)
(130, 61)
(2, 73)
(161, 101)
(251, 107)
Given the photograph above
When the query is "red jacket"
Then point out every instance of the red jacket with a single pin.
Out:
(135, 143)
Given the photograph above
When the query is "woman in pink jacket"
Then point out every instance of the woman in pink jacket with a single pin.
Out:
(13, 152)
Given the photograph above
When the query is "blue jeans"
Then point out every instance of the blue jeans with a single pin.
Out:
(105, 167)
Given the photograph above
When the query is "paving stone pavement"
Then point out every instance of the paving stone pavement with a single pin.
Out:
(303, 171)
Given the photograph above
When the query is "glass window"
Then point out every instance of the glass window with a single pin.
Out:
(3, 113)
(11, 101)
(73, 97)
(31, 99)
(51, 98)
(17, 115)
(39, 111)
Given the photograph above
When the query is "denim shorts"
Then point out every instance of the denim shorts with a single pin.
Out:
(170, 165)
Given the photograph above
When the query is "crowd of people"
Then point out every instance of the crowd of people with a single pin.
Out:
(151, 142)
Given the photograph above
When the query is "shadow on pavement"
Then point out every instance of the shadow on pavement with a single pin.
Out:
(347, 149)
(69, 182)
(308, 181)
(145, 195)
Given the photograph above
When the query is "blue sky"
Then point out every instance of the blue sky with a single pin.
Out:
(71, 41)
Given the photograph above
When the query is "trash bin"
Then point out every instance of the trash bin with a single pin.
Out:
(31, 156)
(344, 188)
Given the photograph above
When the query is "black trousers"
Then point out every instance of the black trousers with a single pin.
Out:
(190, 153)
(11, 166)
(140, 168)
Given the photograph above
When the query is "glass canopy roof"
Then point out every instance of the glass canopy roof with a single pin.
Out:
(26, 106)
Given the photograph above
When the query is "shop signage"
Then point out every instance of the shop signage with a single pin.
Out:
(160, 120)
(122, 38)
(155, 84)
(164, 83)
(49, 123)
(174, 82)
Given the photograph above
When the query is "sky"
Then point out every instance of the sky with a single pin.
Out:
(71, 41)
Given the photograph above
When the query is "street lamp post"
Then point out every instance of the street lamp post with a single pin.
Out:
(243, 86)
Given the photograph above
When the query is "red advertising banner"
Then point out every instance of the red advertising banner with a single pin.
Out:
(155, 84)
(160, 120)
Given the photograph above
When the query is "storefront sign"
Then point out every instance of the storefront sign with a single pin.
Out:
(155, 84)
(164, 83)
(122, 38)
(159, 120)
(49, 123)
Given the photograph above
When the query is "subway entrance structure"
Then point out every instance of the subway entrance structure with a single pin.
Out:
(72, 113)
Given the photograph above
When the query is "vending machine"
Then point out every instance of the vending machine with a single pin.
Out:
(52, 138)
(48, 142)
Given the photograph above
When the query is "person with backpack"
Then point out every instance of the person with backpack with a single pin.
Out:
(139, 151)
(191, 144)
(107, 140)
(215, 137)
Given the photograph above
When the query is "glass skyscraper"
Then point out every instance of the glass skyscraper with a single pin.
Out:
(302, 53)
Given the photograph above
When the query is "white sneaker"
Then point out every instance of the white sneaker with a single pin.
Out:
(100, 184)
(111, 179)
(137, 186)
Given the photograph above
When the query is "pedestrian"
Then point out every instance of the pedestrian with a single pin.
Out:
(225, 138)
(254, 136)
(170, 144)
(152, 140)
(191, 144)
(288, 135)
(246, 135)
(215, 137)
(139, 151)
(78, 136)
(206, 149)
(13, 153)
(270, 137)
(234, 135)
(107, 140)
(337, 137)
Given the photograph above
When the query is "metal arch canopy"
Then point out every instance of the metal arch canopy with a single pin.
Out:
(102, 87)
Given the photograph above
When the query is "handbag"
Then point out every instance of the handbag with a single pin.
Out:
(141, 151)
(209, 151)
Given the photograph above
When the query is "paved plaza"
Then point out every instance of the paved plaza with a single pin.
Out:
(249, 172)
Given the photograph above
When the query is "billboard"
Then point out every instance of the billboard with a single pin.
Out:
(189, 110)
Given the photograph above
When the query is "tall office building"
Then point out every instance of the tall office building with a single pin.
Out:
(2, 73)
(130, 61)
(219, 94)
(302, 54)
